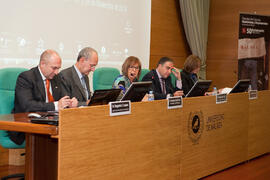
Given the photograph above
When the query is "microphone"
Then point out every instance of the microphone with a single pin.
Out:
(121, 85)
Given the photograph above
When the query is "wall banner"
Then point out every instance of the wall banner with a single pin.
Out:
(253, 50)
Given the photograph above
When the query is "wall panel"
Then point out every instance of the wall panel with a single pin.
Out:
(167, 35)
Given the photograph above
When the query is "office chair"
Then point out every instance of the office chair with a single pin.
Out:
(8, 78)
(143, 73)
(104, 77)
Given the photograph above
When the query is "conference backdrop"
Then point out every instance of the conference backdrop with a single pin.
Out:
(115, 28)
(253, 50)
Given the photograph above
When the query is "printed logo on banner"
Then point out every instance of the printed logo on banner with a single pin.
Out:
(244, 30)
(195, 126)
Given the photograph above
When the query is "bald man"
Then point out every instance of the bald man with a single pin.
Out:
(39, 89)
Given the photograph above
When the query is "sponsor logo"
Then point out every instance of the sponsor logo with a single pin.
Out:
(244, 30)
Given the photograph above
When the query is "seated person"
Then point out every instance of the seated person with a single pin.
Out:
(161, 80)
(75, 81)
(39, 89)
(131, 70)
(190, 71)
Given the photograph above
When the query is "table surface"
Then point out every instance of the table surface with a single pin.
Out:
(21, 122)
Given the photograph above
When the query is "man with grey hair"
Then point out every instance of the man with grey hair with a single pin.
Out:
(75, 79)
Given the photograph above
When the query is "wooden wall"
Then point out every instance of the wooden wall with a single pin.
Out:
(167, 34)
(222, 52)
(168, 38)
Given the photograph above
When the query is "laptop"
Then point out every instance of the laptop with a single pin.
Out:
(104, 96)
(241, 86)
(137, 91)
(199, 88)
(47, 118)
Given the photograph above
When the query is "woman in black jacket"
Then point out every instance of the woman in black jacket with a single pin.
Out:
(189, 73)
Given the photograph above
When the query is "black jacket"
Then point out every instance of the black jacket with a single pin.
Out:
(156, 87)
(187, 81)
(30, 95)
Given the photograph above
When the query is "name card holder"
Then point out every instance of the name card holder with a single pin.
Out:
(118, 108)
(175, 102)
(253, 94)
(221, 98)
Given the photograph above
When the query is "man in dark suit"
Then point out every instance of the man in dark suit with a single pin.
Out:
(39, 89)
(75, 79)
(161, 80)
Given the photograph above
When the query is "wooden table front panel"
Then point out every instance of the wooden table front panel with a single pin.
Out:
(221, 141)
(259, 125)
(142, 145)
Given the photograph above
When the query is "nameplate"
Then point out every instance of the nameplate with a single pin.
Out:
(175, 102)
(120, 108)
(253, 94)
(221, 98)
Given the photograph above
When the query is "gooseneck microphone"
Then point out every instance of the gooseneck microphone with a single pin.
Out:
(121, 85)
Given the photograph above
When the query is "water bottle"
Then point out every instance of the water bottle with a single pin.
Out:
(151, 96)
(215, 92)
(249, 88)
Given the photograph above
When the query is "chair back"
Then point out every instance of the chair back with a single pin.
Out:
(8, 78)
(104, 77)
(143, 73)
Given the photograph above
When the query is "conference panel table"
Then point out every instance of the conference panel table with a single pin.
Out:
(153, 142)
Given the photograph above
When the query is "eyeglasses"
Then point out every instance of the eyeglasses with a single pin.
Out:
(134, 67)
(93, 66)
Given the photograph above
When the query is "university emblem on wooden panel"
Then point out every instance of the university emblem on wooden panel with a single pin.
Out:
(195, 126)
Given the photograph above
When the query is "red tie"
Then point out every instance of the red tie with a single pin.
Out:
(50, 97)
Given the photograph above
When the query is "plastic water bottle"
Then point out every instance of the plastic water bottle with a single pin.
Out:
(215, 92)
(151, 96)
(249, 88)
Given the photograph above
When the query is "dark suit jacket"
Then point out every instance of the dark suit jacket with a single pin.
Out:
(156, 87)
(30, 95)
(187, 81)
(72, 86)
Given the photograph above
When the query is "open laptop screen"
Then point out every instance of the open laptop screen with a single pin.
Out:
(241, 86)
(199, 88)
(137, 91)
(104, 96)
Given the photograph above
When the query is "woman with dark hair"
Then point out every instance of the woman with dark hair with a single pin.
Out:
(189, 73)
(131, 70)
